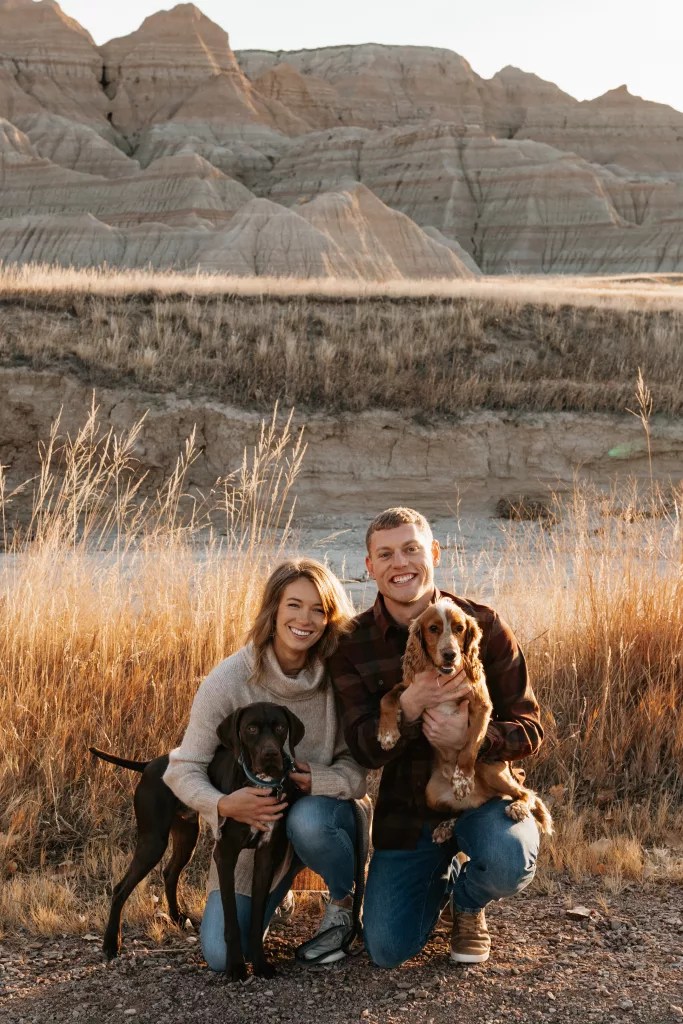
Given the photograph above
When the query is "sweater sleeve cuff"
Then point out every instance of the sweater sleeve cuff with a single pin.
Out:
(326, 781)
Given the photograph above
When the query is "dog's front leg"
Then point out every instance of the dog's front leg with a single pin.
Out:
(264, 867)
(225, 856)
(388, 733)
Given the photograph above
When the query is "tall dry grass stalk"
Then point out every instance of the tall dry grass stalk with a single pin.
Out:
(111, 614)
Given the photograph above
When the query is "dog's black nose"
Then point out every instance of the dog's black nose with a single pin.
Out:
(449, 656)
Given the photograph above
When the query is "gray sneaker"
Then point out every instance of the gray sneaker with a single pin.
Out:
(335, 927)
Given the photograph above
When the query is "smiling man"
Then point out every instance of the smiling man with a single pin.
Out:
(410, 876)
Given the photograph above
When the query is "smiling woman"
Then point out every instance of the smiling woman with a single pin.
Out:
(302, 614)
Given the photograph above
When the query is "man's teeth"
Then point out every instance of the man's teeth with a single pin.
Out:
(403, 579)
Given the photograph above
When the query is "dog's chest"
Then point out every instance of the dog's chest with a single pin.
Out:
(258, 838)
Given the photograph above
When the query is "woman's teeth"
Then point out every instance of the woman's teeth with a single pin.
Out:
(301, 632)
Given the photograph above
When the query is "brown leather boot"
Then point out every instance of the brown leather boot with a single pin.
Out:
(470, 939)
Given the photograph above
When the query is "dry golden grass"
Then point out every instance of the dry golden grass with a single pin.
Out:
(619, 291)
(114, 610)
(425, 349)
(597, 601)
(110, 618)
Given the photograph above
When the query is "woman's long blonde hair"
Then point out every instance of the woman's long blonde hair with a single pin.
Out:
(335, 603)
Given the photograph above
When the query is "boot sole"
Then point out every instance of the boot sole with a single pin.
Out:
(469, 958)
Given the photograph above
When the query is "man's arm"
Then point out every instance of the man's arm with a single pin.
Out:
(515, 729)
(359, 711)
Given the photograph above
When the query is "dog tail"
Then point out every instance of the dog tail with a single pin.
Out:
(135, 766)
(543, 817)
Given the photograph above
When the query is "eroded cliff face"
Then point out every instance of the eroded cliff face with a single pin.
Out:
(352, 463)
(165, 148)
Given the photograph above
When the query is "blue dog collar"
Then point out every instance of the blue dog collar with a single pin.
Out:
(275, 785)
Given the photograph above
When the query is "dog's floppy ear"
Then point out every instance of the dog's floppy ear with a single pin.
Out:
(229, 731)
(472, 636)
(415, 656)
(296, 729)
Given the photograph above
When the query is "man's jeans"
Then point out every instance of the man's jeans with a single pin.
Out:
(322, 831)
(407, 889)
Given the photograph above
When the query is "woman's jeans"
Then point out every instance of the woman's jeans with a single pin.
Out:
(407, 889)
(322, 831)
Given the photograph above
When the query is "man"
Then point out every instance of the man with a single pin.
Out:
(410, 876)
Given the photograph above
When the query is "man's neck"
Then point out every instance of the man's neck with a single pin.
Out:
(404, 614)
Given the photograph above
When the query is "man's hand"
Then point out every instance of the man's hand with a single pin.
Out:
(431, 688)
(252, 806)
(302, 776)
(447, 732)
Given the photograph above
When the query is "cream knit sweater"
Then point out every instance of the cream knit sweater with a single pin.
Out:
(230, 686)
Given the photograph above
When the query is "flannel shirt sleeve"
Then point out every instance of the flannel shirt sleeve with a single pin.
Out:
(515, 729)
(359, 713)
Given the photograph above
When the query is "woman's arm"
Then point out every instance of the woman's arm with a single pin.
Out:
(344, 778)
(186, 774)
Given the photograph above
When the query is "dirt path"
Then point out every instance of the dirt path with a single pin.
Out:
(624, 964)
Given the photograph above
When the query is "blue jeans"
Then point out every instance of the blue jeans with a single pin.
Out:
(322, 831)
(407, 889)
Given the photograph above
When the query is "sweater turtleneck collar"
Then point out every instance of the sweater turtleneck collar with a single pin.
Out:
(289, 688)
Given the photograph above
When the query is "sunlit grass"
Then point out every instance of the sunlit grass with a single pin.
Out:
(114, 607)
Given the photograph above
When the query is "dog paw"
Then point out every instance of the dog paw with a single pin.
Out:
(461, 785)
(518, 810)
(236, 972)
(111, 946)
(264, 970)
(443, 832)
(388, 739)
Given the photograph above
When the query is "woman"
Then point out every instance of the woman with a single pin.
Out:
(303, 612)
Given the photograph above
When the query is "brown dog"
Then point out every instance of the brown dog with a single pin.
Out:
(252, 753)
(445, 637)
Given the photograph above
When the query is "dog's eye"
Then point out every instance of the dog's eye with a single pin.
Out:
(251, 730)
(434, 629)
(459, 628)
(280, 728)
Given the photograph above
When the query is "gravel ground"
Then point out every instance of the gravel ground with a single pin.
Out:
(622, 963)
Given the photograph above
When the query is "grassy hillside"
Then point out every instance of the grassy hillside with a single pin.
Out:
(425, 349)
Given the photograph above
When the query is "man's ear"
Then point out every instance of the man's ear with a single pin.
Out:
(229, 731)
(296, 729)
(368, 566)
(436, 552)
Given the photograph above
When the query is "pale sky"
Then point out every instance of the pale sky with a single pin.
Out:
(584, 46)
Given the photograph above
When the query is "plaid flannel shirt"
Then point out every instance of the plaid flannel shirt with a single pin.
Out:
(367, 665)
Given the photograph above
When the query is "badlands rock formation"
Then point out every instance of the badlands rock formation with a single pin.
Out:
(166, 148)
(498, 455)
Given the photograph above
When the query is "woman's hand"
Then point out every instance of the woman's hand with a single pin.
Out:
(252, 806)
(302, 776)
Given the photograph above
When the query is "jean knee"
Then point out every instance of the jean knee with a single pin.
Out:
(511, 867)
(385, 947)
(312, 821)
(383, 951)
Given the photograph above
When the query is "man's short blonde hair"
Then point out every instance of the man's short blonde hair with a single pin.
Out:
(399, 516)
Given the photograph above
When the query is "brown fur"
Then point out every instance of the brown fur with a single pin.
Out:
(445, 637)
